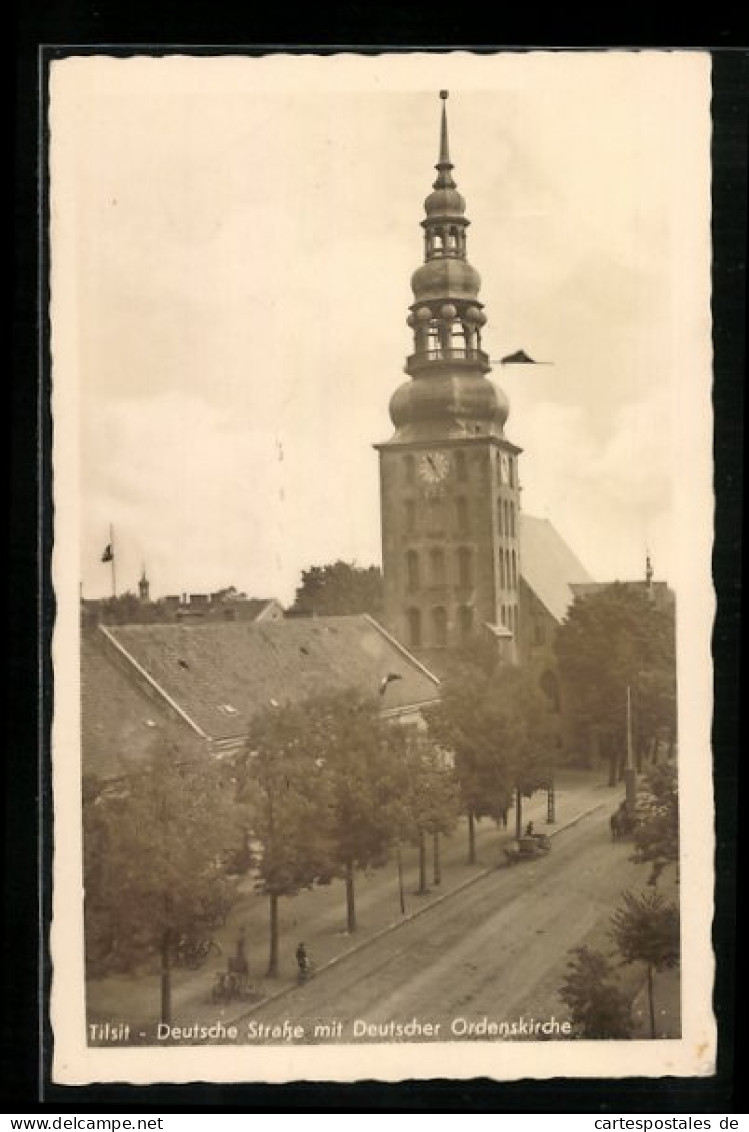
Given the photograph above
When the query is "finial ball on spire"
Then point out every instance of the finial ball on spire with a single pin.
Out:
(444, 93)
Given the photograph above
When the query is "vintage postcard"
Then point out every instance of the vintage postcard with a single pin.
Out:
(383, 520)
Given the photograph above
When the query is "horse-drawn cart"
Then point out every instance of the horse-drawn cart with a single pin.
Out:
(526, 848)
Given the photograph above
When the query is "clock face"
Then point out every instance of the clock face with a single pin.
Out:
(433, 467)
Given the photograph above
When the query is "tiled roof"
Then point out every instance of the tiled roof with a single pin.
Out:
(120, 722)
(221, 674)
(548, 566)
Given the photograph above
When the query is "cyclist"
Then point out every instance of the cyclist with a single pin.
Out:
(302, 960)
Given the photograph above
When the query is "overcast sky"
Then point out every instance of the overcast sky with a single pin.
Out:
(233, 241)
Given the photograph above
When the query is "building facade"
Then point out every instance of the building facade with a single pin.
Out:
(450, 496)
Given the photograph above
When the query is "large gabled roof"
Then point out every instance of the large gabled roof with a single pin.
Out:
(548, 566)
(122, 725)
(219, 675)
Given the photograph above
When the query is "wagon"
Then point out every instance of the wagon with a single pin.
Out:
(525, 848)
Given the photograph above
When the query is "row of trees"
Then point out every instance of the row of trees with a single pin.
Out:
(326, 787)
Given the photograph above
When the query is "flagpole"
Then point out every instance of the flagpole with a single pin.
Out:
(113, 560)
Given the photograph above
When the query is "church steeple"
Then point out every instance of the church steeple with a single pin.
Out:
(449, 486)
(447, 319)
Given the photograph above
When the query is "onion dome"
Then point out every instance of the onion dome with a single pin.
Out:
(445, 278)
(460, 397)
(445, 202)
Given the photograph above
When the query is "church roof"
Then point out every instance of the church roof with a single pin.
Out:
(220, 674)
(548, 566)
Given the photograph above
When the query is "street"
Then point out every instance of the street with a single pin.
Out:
(498, 948)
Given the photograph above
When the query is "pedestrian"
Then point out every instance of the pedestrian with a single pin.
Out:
(302, 960)
(529, 830)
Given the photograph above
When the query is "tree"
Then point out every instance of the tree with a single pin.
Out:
(429, 798)
(645, 929)
(610, 641)
(358, 752)
(289, 799)
(657, 828)
(597, 1006)
(498, 728)
(154, 863)
(339, 588)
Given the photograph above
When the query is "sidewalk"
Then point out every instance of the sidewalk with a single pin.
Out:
(318, 916)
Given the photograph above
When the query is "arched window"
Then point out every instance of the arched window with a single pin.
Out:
(437, 566)
(512, 520)
(500, 527)
(461, 506)
(414, 628)
(466, 620)
(514, 570)
(439, 626)
(511, 470)
(507, 518)
(410, 508)
(502, 578)
(461, 468)
(465, 567)
(508, 571)
(412, 570)
(409, 469)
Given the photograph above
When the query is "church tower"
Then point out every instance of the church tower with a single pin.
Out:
(449, 476)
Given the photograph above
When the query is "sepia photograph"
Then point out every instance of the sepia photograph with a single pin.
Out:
(382, 475)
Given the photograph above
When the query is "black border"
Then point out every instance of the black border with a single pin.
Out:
(25, 1077)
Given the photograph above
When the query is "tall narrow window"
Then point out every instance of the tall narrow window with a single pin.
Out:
(502, 577)
(511, 470)
(414, 628)
(508, 569)
(437, 566)
(461, 468)
(409, 469)
(465, 567)
(514, 570)
(507, 517)
(512, 520)
(439, 626)
(412, 570)
(461, 507)
(466, 620)
(410, 508)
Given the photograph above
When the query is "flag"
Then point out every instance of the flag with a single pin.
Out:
(108, 554)
(518, 358)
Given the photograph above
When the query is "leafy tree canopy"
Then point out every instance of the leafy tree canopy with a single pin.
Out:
(597, 1006)
(339, 588)
(611, 640)
(155, 857)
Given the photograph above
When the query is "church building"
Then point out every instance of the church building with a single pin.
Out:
(449, 474)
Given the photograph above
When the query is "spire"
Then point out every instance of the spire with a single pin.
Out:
(444, 165)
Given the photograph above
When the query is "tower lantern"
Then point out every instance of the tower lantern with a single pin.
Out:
(448, 475)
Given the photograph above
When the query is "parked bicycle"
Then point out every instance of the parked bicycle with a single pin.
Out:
(193, 953)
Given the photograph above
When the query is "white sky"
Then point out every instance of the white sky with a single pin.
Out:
(233, 241)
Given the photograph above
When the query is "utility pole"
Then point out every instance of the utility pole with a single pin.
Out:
(630, 778)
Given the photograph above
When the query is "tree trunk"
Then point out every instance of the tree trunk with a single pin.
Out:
(651, 1001)
(166, 977)
(471, 838)
(273, 942)
(613, 761)
(436, 862)
(422, 863)
(350, 900)
(518, 814)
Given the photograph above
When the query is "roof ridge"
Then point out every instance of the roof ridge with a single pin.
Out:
(401, 648)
